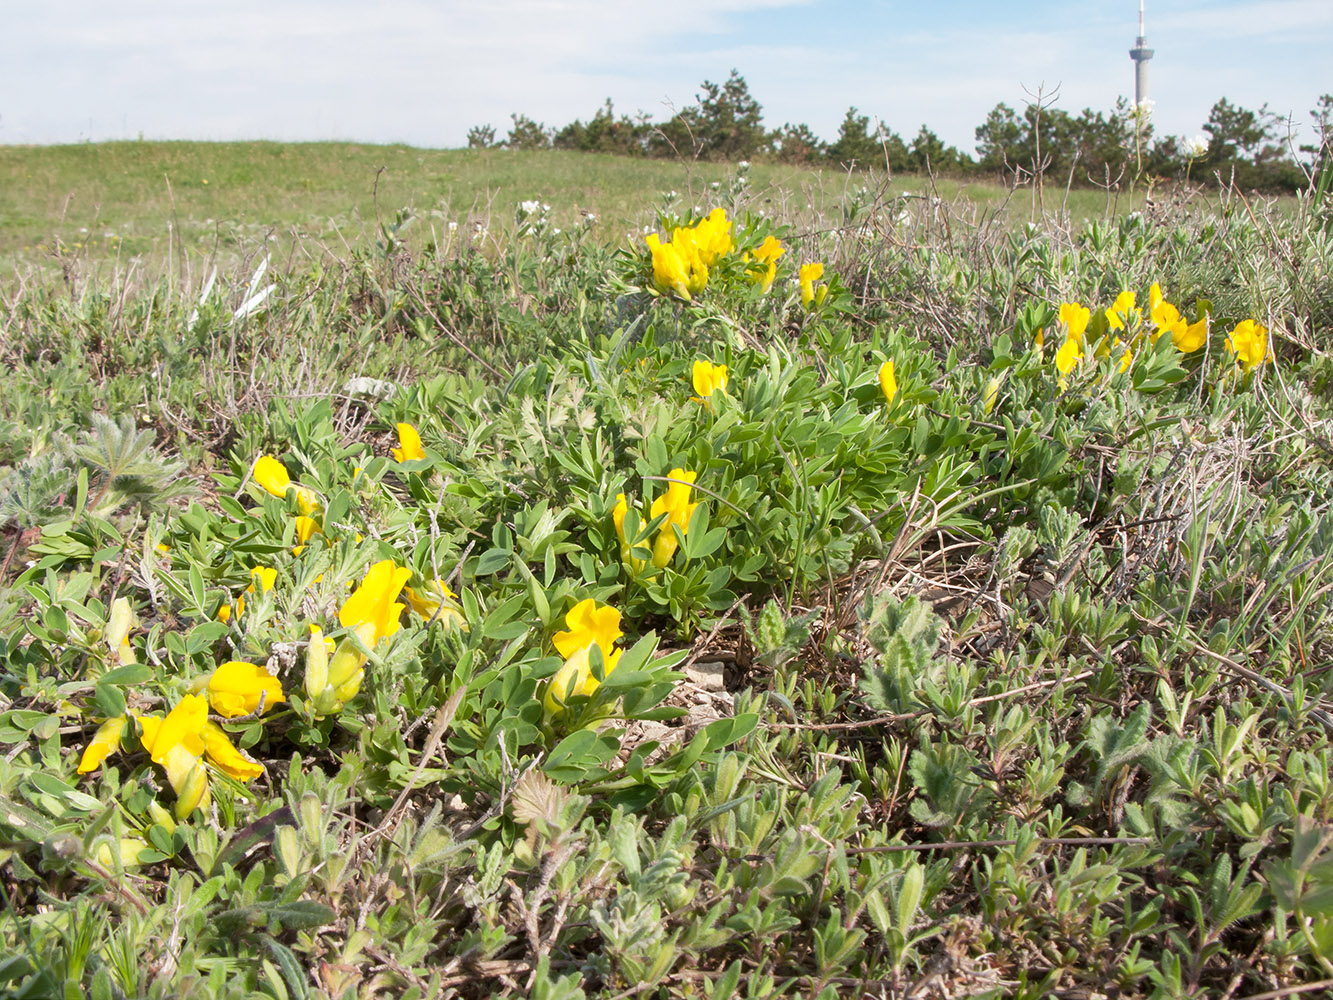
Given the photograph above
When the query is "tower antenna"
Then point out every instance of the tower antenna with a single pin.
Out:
(1140, 53)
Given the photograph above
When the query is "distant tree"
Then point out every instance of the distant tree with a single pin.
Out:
(855, 146)
(605, 133)
(797, 144)
(928, 153)
(1235, 133)
(1104, 142)
(481, 137)
(1322, 118)
(1001, 142)
(725, 123)
(527, 134)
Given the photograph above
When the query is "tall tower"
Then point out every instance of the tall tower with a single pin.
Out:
(1140, 53)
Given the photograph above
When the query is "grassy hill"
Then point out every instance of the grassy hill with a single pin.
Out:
(98, 201)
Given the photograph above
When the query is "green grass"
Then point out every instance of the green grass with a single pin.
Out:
(106, 201)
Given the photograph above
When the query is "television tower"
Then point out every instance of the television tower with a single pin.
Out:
(1140, 53)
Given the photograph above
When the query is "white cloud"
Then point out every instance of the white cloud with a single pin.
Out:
(424, 72)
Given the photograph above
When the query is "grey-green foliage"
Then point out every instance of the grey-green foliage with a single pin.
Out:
(34, 491)
(125, 467)
(906, 636)
(776, 639)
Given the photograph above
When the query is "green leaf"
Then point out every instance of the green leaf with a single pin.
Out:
(110, 700)
(133, 673)
(492, 561)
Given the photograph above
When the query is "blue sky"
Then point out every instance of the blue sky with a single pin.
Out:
(423, 71)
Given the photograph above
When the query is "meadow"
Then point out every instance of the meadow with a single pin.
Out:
(424, 582)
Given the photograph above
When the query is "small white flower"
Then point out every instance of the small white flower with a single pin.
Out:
(1143, 110)
(1197, 146)
(528, 207)
(743, 165)
(545, 207)
(715, 185)
(590, 218)
(453, 227)
(555, 231)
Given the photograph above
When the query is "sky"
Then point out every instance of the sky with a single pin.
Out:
(423, 72)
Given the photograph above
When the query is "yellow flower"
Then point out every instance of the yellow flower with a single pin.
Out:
(272, 475)
(1068, 356)
(236, 688)
(371, 608)
(587, 624)
(809, 274)
(180, 742)
(696, 269)
(224, 755)
(887, 383)
(1075, 318)
(991, 395)
(264, 577)
(1155, 300)
(1166, 318)
(437, 597)
(1127, 358)
(675, 502)
(371, 612)
(1190, 337)
(409, 445)
(712, 237)
(618, 513)
(1248, 343)
(1122, 311)
(118, 626)
(306, 529)
(575, 678)
(708, 378)
(127, 852)
(766, 255)
(105, 741)
(670, 271)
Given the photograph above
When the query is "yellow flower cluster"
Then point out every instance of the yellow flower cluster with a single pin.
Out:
(675, 504)
(1247, 342)
(681, 265)
(182, 743)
